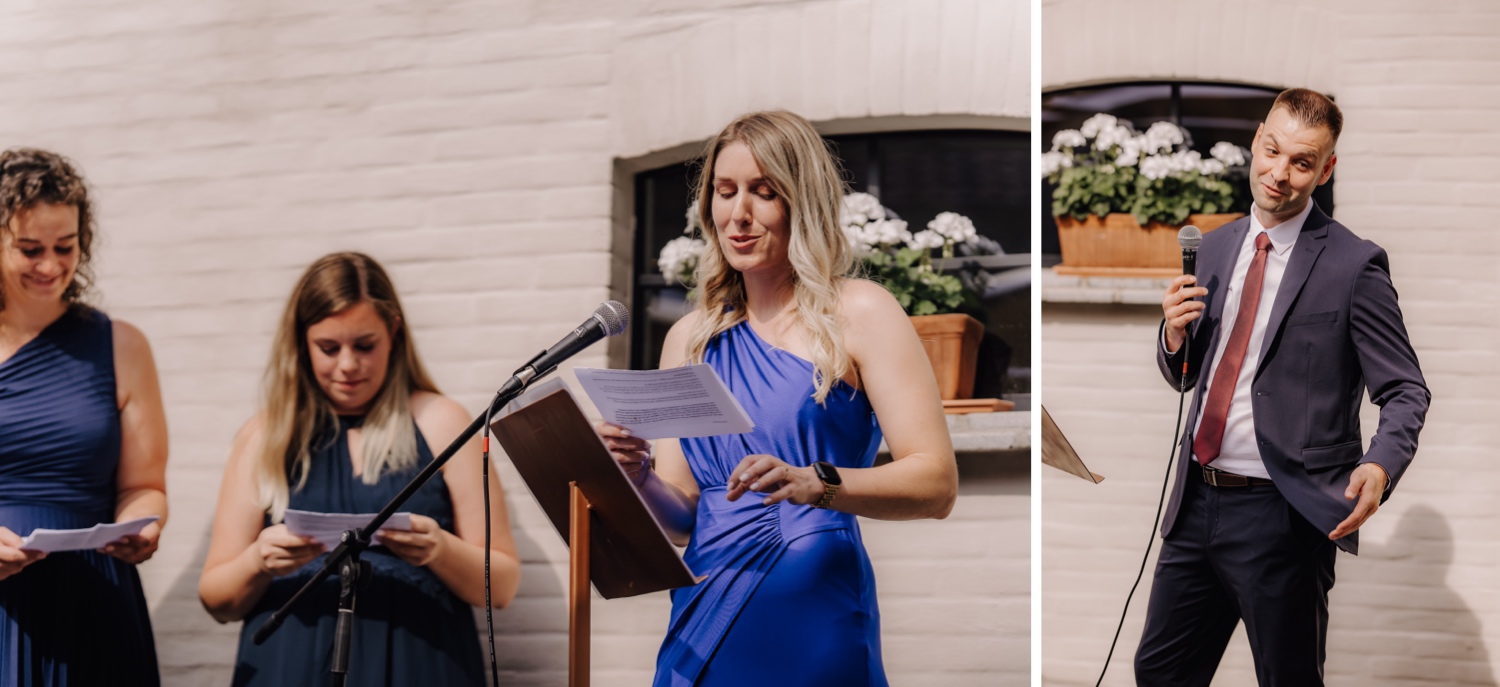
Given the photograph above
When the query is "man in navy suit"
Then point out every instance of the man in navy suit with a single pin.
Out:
(1292, 319)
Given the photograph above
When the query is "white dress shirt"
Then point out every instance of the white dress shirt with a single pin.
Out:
(1239, 453)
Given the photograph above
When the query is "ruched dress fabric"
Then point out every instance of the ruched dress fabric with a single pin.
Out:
(789, 598)
(75, 617)
(409, 628)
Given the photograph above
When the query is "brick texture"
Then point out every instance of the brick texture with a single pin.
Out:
(1420, 605)
(470, 146)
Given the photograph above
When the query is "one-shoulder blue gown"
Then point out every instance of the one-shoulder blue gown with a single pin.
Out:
(790, 594)
(75, 617)
(409, 628)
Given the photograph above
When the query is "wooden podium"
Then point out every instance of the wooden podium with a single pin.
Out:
(613, 539)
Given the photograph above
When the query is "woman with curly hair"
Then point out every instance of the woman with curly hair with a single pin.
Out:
(349, 416)
(825, 364)
(83, 441)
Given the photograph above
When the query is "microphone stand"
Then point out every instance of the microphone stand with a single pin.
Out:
(344, 558)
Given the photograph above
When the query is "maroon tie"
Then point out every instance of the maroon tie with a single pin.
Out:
(1211, 429)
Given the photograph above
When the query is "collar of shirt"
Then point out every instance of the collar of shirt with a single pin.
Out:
(1284, 235)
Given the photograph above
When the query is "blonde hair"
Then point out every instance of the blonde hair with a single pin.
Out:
(799, 168)
(297, 413)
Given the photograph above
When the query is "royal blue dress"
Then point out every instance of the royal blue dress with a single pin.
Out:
(409, 628)
(790, 595)
(75, 617)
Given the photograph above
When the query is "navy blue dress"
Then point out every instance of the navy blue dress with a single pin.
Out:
(75, 617)
(790, 594)
(409, 628)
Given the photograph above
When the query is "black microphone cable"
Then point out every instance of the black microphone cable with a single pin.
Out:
(1160, 503)
(489, 609)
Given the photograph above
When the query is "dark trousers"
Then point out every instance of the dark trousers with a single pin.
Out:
(1237, 553)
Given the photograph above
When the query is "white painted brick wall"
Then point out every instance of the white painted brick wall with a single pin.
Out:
(470, 146)
(1420, 605)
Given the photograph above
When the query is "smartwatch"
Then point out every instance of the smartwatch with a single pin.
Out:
(831, 482)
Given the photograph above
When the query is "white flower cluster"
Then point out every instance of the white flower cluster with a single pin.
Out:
(1162, 166)
(881, 233)
(952, 227)
(679, 258)
(1068, 138)
(1115, 143)
(859, 209)
(694, 223)
(1054, 162)
(866, 225)
(1098, 123)
(1228, 153)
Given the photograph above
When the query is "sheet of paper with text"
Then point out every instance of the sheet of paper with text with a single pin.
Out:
(680, 402)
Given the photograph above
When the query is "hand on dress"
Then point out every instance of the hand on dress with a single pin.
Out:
(763, 473)
(1180, 311)
(12, 557)
(632, 453)
(135, 548)
(419, 547)
(281, 553)
(1367, 483)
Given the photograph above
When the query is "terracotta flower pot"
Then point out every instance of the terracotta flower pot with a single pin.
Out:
(952, 345)
(1117, 244)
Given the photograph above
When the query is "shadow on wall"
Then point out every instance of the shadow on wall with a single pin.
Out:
(1437, 638)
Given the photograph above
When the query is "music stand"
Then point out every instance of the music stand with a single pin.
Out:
(613, 539)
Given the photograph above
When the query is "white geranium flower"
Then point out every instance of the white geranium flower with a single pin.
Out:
(1054, 162)
(1130, 151)
(885, 232)
(1097, 123)
(952, 226)
(1186, 161)
(1228, 153)
(927, 240)
(860, 209)
(1163, 136)
(679, 258)
(857, 244)
(694, 223)
(1210, 167)
(1156, 167)
(1113, 136)
(1068, 138)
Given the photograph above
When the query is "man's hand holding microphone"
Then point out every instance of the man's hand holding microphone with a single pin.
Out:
(1179, 306)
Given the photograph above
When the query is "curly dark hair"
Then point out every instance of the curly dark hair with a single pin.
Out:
(29, 176)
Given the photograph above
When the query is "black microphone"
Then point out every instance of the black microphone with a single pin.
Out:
(1189, 238)
(609, 319)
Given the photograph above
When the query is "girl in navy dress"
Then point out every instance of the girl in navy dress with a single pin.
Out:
(82, 441)
(825, 364)
(349, 417)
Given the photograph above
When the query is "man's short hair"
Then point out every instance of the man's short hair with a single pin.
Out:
(1312, 107)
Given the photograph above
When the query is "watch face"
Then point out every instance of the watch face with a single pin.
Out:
(827, 473)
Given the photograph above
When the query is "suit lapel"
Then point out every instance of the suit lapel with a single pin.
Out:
(1299, 267)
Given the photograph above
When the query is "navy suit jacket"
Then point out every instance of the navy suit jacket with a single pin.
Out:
(1335, 331)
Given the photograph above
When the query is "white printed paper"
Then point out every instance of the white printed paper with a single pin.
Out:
(86, 539)
(678, 402)
(329, 528)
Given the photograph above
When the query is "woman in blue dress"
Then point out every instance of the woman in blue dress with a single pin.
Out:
(83, 441)
(824, 364)
(349, 416)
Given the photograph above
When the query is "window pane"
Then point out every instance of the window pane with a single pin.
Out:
(662, 199)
